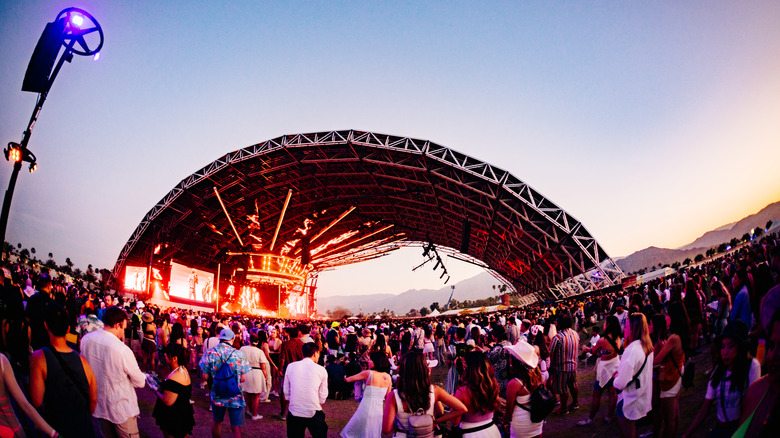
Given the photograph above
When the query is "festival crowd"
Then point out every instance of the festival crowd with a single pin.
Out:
(73, 359)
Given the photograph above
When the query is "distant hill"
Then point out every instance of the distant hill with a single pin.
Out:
(474, 288)
(648, 257)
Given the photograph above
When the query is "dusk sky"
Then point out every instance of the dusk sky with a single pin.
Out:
(650, 122)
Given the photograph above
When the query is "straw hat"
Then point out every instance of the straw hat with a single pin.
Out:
(525, 353)
(147, 317)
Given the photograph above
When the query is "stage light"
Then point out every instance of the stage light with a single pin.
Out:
(97, 56)
(77, 20)
(33, 167)
(13, 152)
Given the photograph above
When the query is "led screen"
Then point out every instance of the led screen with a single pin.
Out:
(135, 278)
(191, 284)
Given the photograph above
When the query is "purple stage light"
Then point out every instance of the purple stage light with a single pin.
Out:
(77, 20)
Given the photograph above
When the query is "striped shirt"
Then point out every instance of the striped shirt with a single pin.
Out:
(563, 351)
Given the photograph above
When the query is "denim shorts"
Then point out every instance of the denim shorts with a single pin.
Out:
(236, 414)
(619, 410)
(597, 387)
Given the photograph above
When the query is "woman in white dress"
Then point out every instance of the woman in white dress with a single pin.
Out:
(255, 383)
(526, 377)
(367, 420)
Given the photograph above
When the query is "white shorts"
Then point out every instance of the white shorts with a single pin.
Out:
(673, 391)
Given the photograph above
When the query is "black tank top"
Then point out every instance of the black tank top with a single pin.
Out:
(65, 407)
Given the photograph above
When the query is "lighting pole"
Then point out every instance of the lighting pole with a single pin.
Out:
(71, 29)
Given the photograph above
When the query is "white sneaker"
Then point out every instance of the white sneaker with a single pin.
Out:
(585, 422)
(257, 417)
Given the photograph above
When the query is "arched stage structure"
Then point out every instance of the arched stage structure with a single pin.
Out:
(281, 211)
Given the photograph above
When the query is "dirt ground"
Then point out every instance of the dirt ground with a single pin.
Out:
(338, 412)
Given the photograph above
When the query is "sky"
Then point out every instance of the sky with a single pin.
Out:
(649, 122)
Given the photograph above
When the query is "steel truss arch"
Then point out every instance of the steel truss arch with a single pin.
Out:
(420, 190)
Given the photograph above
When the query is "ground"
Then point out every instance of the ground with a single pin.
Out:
(338, 412)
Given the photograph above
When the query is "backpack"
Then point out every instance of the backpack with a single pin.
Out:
(541, 405)
(226, 381)
(420, 425)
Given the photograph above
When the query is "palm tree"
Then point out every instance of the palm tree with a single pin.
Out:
(51, 256)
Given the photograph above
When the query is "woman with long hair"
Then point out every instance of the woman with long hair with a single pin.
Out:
(415, 393)
(479, 393)
(721, 293)
(670, 359)
(262, 343)
(607, 350)
(367, 419)
(428, 348)
(380, 344)
(634, 376)
(525, 375)
(734, 372)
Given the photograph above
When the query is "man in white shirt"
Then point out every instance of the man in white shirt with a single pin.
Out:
(117, 375)
(306, 388)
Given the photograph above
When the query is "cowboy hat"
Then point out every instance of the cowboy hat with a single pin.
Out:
(525, 353)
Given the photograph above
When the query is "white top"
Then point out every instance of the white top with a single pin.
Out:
(731, 402)
(402, 417)
(306, 387)
(116, 372)
(636, 401)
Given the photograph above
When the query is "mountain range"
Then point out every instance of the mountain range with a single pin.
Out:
(481, 285)
(654, 256)
(475, 288)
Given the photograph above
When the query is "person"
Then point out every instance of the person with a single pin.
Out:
(338, 388)
(332, 339)
(117, 374)
(741, 286)
(172, 410)
(132, 338)
(513, 331)
(61, 380)
(563, 362)
(210, 363)
(196, 345)
(367, 420)
(499, 358)
(480, 394)
(670, 359)
(263, 344)
(457, 350)
(148, 344)
(731, 377)
(380, 344)
(291, 351)
(35, 310)
(414, 392)
(9, 389)
(256, 379)
(306, 388)
(607, 351)
(525, 378)
(760, 414)
(634, 376)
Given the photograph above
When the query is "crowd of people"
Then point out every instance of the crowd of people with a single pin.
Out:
(73, 359)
